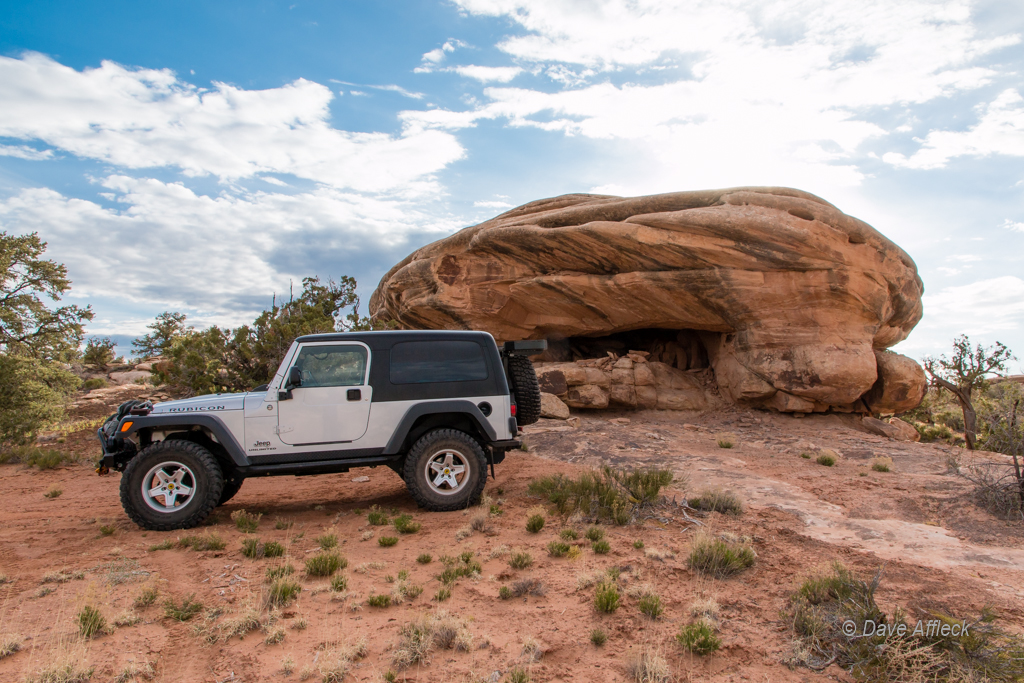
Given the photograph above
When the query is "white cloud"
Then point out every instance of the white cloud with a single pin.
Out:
(23, 152)
(493, 205)
(765, 92)
(435, 57)
(1013, 225)
(485, 74)
(142, 118)
(224, 256)
(1000, 130)
(979, 308)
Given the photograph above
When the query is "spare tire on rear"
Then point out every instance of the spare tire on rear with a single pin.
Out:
(525, 389)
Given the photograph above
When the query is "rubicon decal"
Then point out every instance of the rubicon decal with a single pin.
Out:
(195, 409)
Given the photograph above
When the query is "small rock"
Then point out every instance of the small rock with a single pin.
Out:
(906, 431)
(574, 421)
(551, 406)
(620, 420)
(880, 428)
(360, 480)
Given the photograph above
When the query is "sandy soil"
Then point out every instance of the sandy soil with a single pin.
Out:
(939, 552)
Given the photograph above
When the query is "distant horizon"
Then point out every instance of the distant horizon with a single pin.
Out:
(199, 157)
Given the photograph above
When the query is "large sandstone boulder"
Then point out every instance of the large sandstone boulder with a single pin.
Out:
(792, 298)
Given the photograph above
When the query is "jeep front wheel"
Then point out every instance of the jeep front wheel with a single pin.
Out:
(171, 485)
(446, 470)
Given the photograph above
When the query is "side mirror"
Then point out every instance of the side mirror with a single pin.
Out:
(294, 378)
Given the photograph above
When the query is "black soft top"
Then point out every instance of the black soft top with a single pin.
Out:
(380, 344)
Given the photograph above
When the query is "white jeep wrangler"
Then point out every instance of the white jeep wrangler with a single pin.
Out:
(435, 407)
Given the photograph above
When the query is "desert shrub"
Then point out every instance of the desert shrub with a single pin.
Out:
(520, 560)
(325, 564)
(339, 583)
(283, 591)
(54, 492)
(603, 494)
(439, 630)
(327, 541)
(699, 638)
(601, 547)
(387, 541)
(184, 610)
(598, 637)
(273, 549)
(825, 459)
(606, 597)
(246, 522)
(383, 600)
(279, 572)
(90, 622)
(94, 383)
(146, 597)
(33, 456)
(404, 525)
(505, 593)
(881, 464)
(523, 587)
(535, 523)
(651, 606)
(9, 645)
(443, 593)
(557, 549)
(719, 557)
(518, 674)
(568, 535)
(107, 529)
(725, 443)
(638, 544)
(717, 500)
(594, 533)
(424, 558)
(897, 650)
(805, 456)
(377, 517)
(252, 548)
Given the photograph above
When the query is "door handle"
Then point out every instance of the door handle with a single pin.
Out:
(354, 395)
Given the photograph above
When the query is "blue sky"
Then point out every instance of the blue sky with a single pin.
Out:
(201, 156)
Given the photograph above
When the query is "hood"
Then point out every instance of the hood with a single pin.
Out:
(201, 404)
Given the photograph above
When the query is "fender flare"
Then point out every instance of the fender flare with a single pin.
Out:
(224, 436)
(432, 408)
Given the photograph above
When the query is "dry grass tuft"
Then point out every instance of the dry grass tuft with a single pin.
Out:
(440, 630)
(134, 671)
(9, 644)
(720, 557)
(717, 500)
(648, 666)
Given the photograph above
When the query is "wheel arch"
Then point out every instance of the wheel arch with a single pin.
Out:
(424, 417)
(204, 430)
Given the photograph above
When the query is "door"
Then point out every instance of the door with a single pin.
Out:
(332, 406)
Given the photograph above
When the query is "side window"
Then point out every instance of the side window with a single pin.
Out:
(332, 366)
(437, 361)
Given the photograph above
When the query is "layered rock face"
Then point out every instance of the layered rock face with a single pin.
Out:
(792, 301)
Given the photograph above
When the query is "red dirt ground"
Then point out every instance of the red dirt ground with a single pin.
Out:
(800, 515)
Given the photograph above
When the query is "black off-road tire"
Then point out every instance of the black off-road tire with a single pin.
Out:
(209, 485)
(525, 389)
(430, 445)
(232, 483)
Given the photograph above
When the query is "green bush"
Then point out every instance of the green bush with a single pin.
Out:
(201, 542)
(184, 611)
(94, 383)
(651, 606)
(557, 549)
(279, 572)
(90, 622)
(699, 638)
(387, 541)
(325, 564)
(568, 535)
(605, 494)
(505, 593)
(34, 396)
(378, 600)
(520, 560)
(99, 352)
(535, 523)
(273, 549)
(720, 558)
(404, 525)
(825, 459)
(598, 637)
(606, 597)
(638, 544)
(425, 558)
(327, 541)
(601, 547)
(594, 534)
(725, 443)
(283, 591)
(377, 517)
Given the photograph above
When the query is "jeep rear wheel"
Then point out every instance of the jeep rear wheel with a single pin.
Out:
(525, 388)
(171, 485)
(446, 470)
